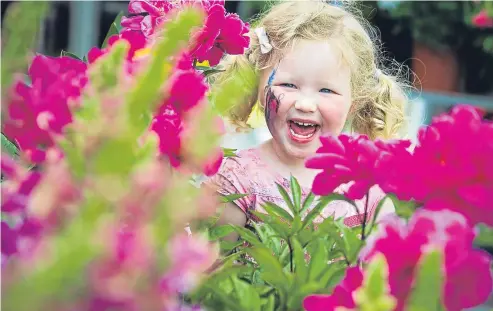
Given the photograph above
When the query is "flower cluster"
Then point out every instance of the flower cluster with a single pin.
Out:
(483, 20)
(39, 112)
(454, 146)
(467, 276)
(222, 33)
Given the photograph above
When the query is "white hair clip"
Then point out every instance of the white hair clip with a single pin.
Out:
(265, 46)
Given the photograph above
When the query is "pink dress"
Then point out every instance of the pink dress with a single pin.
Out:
(248, 174)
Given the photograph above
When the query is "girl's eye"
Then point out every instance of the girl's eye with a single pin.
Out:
(326, 91)
(289, 85)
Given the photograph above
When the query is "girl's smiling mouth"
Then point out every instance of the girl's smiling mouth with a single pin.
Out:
(302, 130)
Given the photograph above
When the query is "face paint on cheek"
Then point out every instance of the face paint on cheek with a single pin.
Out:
(272, 104)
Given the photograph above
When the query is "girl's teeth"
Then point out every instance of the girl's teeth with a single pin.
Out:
(301, 136)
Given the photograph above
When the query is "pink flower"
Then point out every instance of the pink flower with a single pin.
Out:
(187, 89)
(221, 34)
(212, 166)
(155, 15)
(40, 111)
(168, 126)
(9, 240)
(446, 165)
(134, 38)
(190, 257)
(344, 159)
(15, 198)
(442, 229)
(342, 296)
(482, 20)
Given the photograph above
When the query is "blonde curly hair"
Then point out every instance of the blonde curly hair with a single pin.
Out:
(378, 95)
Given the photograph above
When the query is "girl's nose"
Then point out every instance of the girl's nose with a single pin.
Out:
(306, 104)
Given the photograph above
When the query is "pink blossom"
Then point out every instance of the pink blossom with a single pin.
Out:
(156, 14)
(9, 240)
(443, 229)
(135, 40)
(168, 126)
(344, 159)
(220, 34)
(15, 197)
(482, 20)
(448, 164)
(190, 257)
(212, 166)
(187, 89)
(41, 111)
(342, 296)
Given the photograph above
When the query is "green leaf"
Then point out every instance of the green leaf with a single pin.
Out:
(272, 271)
(374, 294)
(296, 193)
(115, 157)
(9, 147)
(318, 260)
(219, 232)
(282, 229)
(146, 95)
(275, 210)
(427, 289)
(232, 197)
(307, 202)
(247, 235)
(352, 244)
(301, 269)
(248, 297)
(404, 209)
(286, 198)
(323, 202)
(485, 236)
(20, 30)
(228, 152)
(114, 29)
(71, 55)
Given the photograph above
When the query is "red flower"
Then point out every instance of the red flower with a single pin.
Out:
(9, 240)
(221, 34)
(442, 229)
(448, 164)
(342, 296)
(168, 125)
(188, 89)
(344, 159)
(156, 14)
(39, 111)
(212, 167)
(134, 38)
(482, 20)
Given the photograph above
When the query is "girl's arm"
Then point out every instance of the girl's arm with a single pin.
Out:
(232, 215)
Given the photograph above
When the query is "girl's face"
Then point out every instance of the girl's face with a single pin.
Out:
(310, 94)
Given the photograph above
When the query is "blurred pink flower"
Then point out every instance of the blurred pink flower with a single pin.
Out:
(9, 240)
(168, 126)
(15, 194)
(42, 110)
(442, 229)
(135, 40)
(482, 20)
(155, 15)
(342, 296)
(188, 89)
(190, 257)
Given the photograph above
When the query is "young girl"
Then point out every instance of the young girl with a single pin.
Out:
(317, 72)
